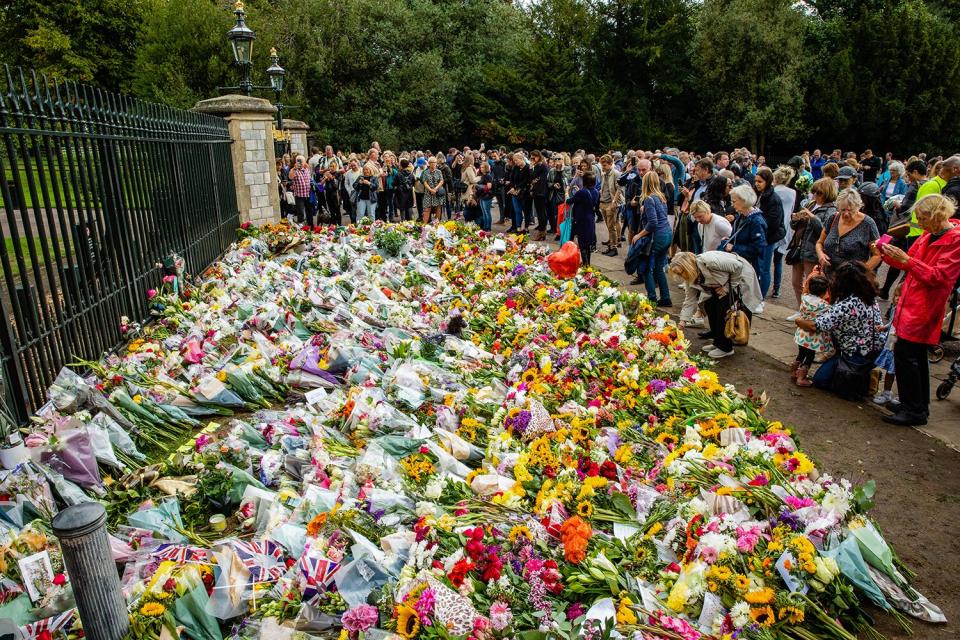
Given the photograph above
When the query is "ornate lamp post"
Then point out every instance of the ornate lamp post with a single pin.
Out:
(241, 40)
(276, 74)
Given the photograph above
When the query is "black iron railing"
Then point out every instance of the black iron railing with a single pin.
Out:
(96, 189)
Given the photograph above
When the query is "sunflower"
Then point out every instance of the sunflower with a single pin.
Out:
(793, 615)
(408, 621)
(760, 596)
(152, 609)
(529, 376)
(666, 438)
(580, 433)
(519, 531)
(584, 509)
(763, 616)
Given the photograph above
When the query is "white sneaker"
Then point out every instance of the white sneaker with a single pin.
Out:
(759, 309)
(883, 397)
(716, 354)
(708, 347)
(695, 322)
(793, 316)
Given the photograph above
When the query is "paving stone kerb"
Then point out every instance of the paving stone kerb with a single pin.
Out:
(251, 125)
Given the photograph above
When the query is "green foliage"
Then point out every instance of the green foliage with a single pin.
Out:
(891, 77)
(553, 73)
(751, 60)
(183, 54)
(92, 41)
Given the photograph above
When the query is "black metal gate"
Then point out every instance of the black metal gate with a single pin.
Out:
(97, 189)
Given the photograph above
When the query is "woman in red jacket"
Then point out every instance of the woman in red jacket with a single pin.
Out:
(932, 266)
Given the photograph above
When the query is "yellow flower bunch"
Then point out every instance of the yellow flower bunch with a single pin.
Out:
(541, 455)
(376, 259)
(623, 454)
(152, 610)
(625, 614)
(760, 596)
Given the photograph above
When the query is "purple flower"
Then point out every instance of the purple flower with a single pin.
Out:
(657, 386)
(518, 270)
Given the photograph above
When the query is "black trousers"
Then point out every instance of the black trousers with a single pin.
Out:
(333, 202)
(540, 206)
(913, 376)
(805, 356)
(716, 308)
(501, 206)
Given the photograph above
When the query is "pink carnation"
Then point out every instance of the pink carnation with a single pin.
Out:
(500, 615)
(360, 618)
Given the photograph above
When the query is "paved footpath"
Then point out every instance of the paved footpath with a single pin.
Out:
(772, 335)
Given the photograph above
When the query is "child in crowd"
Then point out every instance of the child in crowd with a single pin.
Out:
(811, 343)
(885, 359)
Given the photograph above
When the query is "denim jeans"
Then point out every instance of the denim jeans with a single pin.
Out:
(365, 208)
(517, 212)
(656, 276)
(486, 222)
(777, 271)
(763, 274)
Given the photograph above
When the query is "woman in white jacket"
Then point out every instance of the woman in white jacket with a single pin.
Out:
(714, 274)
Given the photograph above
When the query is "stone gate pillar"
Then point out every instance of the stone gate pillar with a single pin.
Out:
(251, 123)
(298, 137)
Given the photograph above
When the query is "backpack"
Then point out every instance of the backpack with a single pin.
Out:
(404, 183)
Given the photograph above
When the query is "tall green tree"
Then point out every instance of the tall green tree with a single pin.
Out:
(183, 54)
(641, 77)
(91, 40)
(888, 76)
(750, 58)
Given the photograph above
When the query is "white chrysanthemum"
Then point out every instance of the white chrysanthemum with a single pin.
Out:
(722, 543)
(740, 614)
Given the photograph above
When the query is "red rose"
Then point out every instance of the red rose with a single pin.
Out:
(60, 579)
(609, 470)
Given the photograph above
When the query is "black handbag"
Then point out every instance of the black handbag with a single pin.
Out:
(851, 378)
(795, 250)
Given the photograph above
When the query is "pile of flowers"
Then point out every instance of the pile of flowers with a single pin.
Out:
(405, 432)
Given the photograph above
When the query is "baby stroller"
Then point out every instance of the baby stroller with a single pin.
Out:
(947, 385)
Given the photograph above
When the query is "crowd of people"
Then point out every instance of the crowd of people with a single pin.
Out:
(724, 224)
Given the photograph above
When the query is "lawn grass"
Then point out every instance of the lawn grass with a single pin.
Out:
(49, 184)
(25, 250)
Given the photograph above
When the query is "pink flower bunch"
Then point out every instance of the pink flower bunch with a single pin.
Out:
(676, 625)
(424, 605)
(360, 618)
(796, 503)
(500, 615)
(747, 539)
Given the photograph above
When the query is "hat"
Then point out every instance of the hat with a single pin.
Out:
(846, 173)
(796, 162)
(870, 189)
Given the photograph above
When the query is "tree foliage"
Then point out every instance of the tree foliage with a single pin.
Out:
(555, 73)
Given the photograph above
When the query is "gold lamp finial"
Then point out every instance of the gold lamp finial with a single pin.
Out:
(238, 5)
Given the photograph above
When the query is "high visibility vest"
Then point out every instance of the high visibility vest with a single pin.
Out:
(930, 187)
